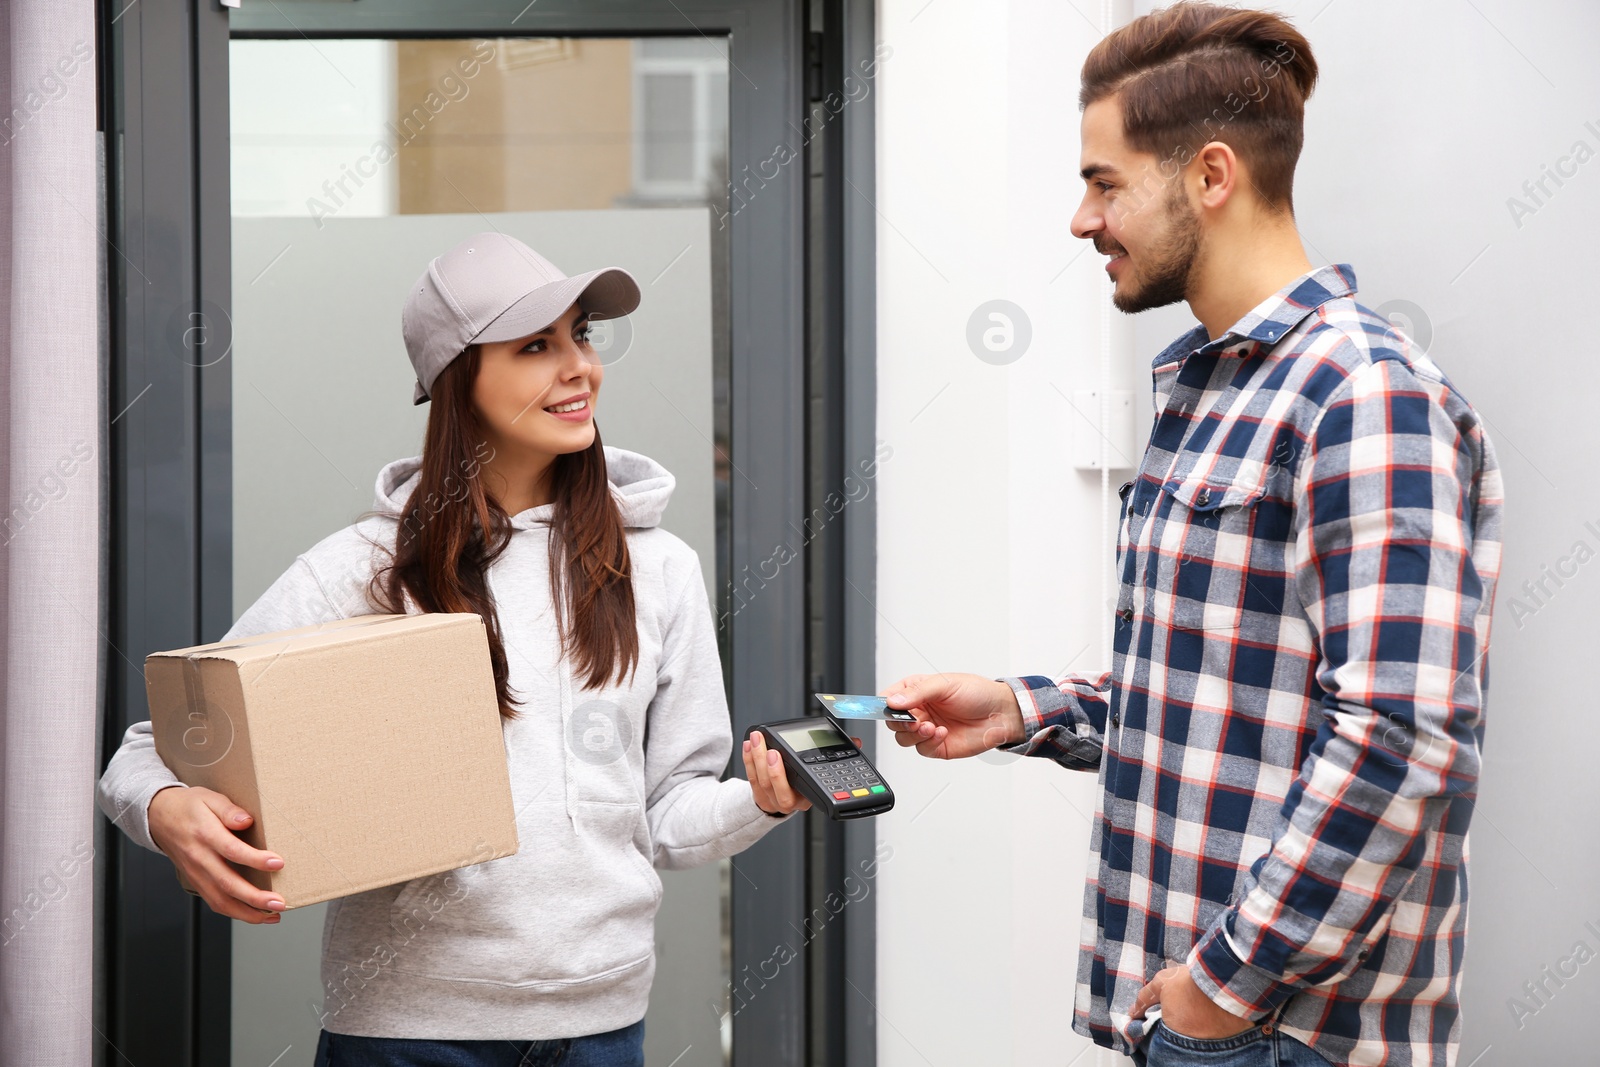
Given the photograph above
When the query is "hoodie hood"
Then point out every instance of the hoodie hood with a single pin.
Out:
(640, 486)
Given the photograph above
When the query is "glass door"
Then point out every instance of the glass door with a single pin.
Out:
(355, 161)
(277, 174)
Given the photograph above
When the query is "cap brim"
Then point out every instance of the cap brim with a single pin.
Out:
(602, 294)
(419, 395)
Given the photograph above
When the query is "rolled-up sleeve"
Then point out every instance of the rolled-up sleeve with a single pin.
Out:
(1064, 718)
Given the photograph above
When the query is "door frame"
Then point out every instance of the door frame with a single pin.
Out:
(166, 981)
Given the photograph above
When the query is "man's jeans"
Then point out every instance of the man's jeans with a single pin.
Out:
(1167, 1048)
(619, 1048)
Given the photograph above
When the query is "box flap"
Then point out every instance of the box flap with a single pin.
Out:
(321, 635)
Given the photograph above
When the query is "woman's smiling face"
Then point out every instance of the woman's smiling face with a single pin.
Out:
(536, 394)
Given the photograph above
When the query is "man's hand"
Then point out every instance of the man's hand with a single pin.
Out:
(958, 714)
(1185, 1009)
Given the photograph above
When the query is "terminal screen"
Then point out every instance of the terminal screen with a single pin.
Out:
(809, 739)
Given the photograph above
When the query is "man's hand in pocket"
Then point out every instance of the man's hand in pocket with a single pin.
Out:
(1185, 1009)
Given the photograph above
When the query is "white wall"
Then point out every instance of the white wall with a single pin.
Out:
(1431, 116)
(990, 542)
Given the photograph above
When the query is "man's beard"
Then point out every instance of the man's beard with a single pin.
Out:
(1163, 277)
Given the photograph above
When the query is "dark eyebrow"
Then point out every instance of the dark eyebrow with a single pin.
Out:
(1094, 170)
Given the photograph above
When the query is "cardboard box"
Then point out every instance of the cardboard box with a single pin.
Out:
(368, 749)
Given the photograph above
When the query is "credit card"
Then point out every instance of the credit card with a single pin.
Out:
(853, 706)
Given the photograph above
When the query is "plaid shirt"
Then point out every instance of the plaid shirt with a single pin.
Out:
(1288, 740)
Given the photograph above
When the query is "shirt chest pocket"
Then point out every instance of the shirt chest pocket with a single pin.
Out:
(1198, 558)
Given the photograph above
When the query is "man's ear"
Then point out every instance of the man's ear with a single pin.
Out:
(1217, 174)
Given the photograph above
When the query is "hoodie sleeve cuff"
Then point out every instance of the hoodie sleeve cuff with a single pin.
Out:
(743, 810)
(134, 820)
(740, 821)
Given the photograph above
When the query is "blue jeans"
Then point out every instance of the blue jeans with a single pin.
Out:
(618, 1048)
(1168, 1048)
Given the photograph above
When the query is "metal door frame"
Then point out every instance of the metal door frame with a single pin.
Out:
(166, 983)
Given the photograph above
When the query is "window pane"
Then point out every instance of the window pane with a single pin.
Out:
(669, 127)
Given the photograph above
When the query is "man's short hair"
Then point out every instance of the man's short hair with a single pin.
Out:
(1196, 72)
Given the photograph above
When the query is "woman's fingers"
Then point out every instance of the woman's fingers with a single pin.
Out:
(751, 762)
(779, 782)
(238, 909)
(200, 818)
(229, 893)
(198, 833)
(227, 812)
(769, 781)
(755, 767)
(234, 850)
(215, 868)
(231, 908)
(787, 798)
(758, 761)
(750, 768)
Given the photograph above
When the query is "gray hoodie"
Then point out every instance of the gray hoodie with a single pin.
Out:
(557, 940)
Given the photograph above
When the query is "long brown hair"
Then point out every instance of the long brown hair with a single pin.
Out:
(441, 554)
(1197, 72)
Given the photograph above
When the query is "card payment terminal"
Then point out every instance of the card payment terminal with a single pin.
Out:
(827, 768)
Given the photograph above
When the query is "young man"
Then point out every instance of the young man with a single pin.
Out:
(1288, 740)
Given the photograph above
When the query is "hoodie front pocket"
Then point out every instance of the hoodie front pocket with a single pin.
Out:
(576, 903)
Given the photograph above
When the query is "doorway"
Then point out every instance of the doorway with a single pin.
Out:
(248, 200)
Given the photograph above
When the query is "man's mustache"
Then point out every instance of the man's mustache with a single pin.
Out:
(1107, 248)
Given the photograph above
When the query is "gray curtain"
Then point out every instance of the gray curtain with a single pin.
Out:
(51, 314)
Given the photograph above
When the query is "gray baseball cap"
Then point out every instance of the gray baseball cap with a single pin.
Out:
(492, 287)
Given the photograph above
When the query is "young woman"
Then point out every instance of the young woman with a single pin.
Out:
(601, 636)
